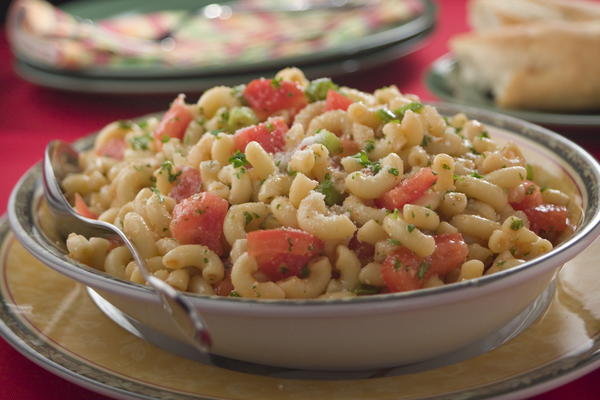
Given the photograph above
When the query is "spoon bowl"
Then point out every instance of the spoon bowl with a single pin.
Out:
(60, 159)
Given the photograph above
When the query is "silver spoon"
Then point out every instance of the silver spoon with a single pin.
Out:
(60, 159)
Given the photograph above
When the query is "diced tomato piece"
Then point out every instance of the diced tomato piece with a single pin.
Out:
(267, 96)
(336, 101)
(199, 220)
(281, 266)
(364, 251)
(450, 252)
(224, 287)
(403, 270)
(175, 121)
(270, 135)
(281, 253)
(526, 195)
(114, 148)
(399, 270)
(82, 208)
(408, 191)
(548, 220)
(187, 184)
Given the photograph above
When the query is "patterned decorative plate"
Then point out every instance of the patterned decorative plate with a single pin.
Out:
(207, 47)
(53, 321)
(189, 84)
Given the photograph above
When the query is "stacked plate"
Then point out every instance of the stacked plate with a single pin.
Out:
(377, 46)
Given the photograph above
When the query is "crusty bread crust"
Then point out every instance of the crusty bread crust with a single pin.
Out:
(490, 14)
(545, 66)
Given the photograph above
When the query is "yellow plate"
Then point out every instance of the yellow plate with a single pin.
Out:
(52, 320)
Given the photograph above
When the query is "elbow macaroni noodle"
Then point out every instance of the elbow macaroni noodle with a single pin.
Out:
(330, 177)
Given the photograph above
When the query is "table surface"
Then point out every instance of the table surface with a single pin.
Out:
(30, 116)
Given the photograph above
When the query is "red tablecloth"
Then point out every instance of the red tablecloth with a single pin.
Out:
(30, 116)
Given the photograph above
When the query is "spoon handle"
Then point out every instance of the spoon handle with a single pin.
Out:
(60, 159)
(189, 322)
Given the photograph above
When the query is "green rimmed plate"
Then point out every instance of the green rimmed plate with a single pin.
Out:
(442, 80)
(194, 84)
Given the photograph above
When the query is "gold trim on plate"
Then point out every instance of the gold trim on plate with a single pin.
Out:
(61, 313)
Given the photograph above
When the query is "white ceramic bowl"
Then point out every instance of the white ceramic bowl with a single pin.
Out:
(365, 332)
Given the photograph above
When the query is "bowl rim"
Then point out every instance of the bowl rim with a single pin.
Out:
(29, 186)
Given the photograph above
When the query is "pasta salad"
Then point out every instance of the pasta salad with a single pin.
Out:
(290, 188)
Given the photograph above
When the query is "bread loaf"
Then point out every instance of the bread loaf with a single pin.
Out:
(489, 14)
(545, 66)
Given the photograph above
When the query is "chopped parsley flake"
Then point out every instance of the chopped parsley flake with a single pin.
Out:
(238, 159)
(423, 268)
(425, 141)
(394, 171)
(141, 142)
(276, 82)
(332, 195)
(225, 116)
(317, 89)
(233, 293)
(484, 134)
(364, 289)
(397, 265)
(363, 160)
(238, 91)
(248, 217)
(529, 168)
(394, 242)
(304, 272)
(386, 115)
(410, 227)
(516, 224)
(413, 106)
(239, 172)
(477, 175)
(158, 193)
(445, 166)
(530, 189)
(168, 167)
(369, 146)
